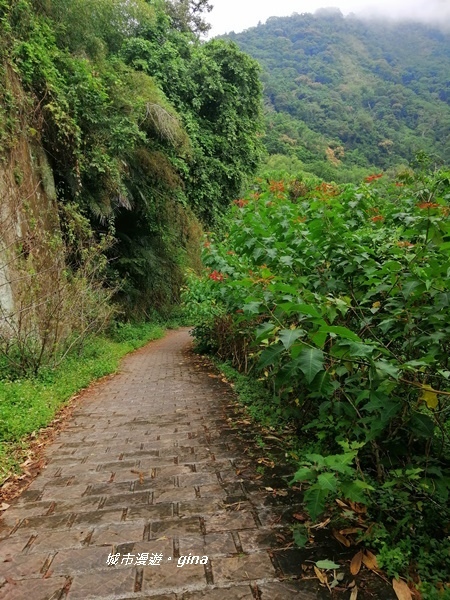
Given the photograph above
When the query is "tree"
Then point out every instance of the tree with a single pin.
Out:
(187, 15)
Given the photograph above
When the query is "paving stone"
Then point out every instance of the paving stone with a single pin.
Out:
(117, 533)
(229, 520)
(47, 522)
(167, 576)
(241, 568)
(285, 590)
(210, 545)
(58, 540)
(241, 592)
(200, 506)
(259, 539)
(21, 566)
(80, 560)
(126, 500)
(44, 589)
(98, 517)
(102, 584)
(15, 546)
(174, 495)
(154, 512)
(172, 527)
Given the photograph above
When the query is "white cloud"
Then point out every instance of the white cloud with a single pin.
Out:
(236, 15)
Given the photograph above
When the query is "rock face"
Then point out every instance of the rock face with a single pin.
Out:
(29, 223)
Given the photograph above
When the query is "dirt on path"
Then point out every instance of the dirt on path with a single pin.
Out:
(149, 477)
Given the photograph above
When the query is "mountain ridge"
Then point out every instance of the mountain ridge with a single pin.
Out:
(373, 93)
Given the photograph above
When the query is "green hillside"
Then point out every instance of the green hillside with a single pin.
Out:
(344, 95)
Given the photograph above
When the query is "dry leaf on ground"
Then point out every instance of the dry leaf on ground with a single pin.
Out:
(401, 589)
(370, 560)
(355, 565)
(341, 538)
(321, 576)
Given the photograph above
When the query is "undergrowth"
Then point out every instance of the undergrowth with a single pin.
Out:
(29, 404)
(336, 300)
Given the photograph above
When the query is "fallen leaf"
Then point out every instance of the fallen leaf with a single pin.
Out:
(321, 525)
(370, 560)
(322, 577)
(354, 594)
(327, 564)
(401, 589)
(350, 530)
(300, 517)
(341, 539)
(341, 504)
(355, 565)
(4, 506)
(360, 509)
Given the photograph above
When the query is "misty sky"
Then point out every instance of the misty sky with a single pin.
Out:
(236, 15)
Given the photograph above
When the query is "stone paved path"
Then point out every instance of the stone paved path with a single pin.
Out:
(148, 465)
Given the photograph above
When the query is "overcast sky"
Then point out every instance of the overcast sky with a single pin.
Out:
(236, 15)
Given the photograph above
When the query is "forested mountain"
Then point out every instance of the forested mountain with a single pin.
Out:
(344, 94)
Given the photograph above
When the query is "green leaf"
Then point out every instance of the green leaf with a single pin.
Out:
(300, 536)
(252, 308)
(341, 462)
(327, 481)
(353, 491)
(409, 287)
(270, 355)
(304, 474)
(304, 309)
(289, 336)
(422, 425)
(311, 361)
(314, 499)
(263, 331)
(386, 369)
(327, 565)
(343, 332)
(319, 338)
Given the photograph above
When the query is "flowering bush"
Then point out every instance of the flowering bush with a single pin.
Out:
(349, 324)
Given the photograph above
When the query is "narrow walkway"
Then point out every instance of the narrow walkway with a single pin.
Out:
(147, 473)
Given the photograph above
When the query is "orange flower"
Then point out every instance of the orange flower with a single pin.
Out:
(373, 177)
(405, 244)
(241, 203)
(216, 276)
(377, 218)
(276, 186)
(327, 189)
(427, 205)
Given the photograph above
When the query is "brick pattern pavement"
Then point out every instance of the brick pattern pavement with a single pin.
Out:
(147, 471)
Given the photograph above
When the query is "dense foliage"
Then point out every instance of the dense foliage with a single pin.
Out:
(147, 128)
(344, 94)
(338, 298)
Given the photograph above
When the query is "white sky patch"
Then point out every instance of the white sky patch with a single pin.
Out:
(237, 15)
